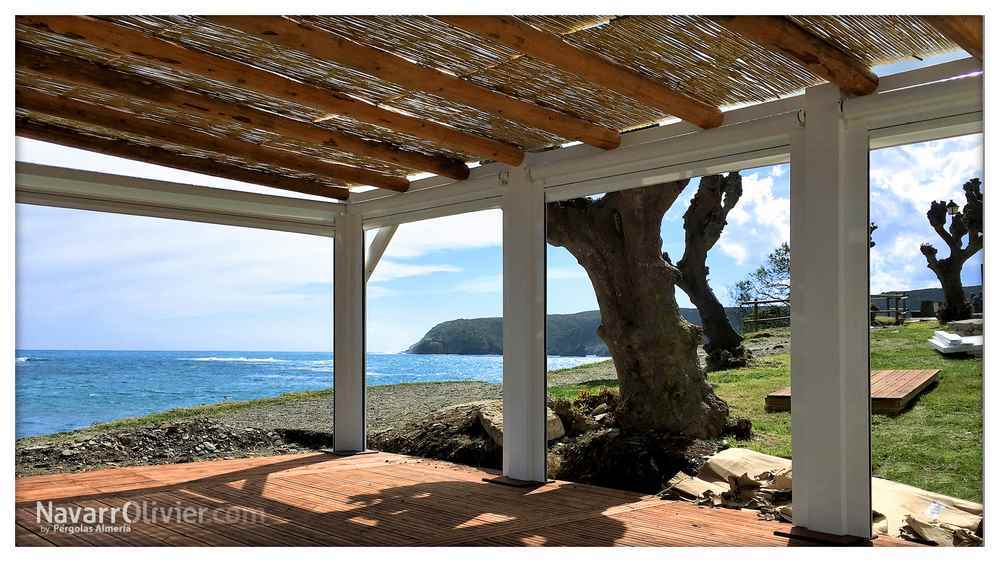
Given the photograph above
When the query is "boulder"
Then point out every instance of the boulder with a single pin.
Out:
(970, 327)
(491, 418)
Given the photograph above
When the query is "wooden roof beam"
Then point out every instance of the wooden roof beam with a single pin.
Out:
(552, 49)
(175, 133)
(163, 157)
(389, 67)
(73, 71)
(132, 43)
(966, 31)
(781, 34)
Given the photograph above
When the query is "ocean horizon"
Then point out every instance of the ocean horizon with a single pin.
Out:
(63, 390)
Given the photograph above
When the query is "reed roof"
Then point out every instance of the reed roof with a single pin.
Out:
(698, 57)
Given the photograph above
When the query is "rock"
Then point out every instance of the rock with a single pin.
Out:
(573, 419)
(491, 417)
(600, 409)
(603, 419)
(970, 327)
(67, 452)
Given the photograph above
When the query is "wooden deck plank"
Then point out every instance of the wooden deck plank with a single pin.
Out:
(892, 390)
(381, 499)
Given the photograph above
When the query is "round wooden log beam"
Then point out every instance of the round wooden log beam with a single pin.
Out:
(965, 31)
(821, 58)
(389, 67)
(115, 120)
(163, 157)
(73, 71)
(552, 49)
(132, 43)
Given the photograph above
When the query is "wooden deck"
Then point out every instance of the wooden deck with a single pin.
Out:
(892, 391)
(379, 499)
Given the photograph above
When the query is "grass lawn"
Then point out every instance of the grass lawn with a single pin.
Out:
(936, 445)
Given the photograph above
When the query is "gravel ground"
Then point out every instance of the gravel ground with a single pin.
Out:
(388, 406)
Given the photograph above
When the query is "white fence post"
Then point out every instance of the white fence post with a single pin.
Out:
(524, 358)
(829, 353)
(349, 334)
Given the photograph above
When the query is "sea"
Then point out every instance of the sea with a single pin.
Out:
(65, 390)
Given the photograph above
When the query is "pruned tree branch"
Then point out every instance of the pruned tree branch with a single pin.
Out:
(968, 222)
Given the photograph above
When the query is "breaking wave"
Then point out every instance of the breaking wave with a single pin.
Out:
(237, 359)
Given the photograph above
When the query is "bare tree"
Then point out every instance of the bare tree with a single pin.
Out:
(616, 238)
(703, 224)
(968, 222)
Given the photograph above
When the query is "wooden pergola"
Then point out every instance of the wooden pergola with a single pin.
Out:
(511, 112)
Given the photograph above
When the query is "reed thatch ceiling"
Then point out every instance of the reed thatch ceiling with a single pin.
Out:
(317, 104)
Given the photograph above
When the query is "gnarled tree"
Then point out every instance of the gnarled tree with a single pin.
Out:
(969, 222)
(616, 238)
(703, 224)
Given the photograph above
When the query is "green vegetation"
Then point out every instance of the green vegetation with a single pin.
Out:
(207, 410)
(937, 444)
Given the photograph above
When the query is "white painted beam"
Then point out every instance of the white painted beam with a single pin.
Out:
(523, 327)
(349, 335)
(53, 186)
(377, 249)
(829, 358)
(917, 104)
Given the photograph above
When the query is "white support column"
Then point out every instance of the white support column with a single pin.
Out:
(523, 327)
(829, 359)
(349, 334)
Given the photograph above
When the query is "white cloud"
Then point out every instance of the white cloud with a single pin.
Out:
(734, 250)
(482, 229)
(767, 209)
(389, 270)
(904, 181)
(920, 173)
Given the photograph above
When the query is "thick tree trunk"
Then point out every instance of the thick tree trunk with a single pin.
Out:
(617, 240)
(703, 224)
(956, 305)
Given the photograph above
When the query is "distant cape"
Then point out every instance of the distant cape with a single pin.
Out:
(566, 335)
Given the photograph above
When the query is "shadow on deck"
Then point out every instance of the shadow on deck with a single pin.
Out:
(369, 500)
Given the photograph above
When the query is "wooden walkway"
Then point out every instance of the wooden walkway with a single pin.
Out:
(378, 499)
(892, 391)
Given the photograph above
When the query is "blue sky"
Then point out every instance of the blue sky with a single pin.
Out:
(88, 280)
